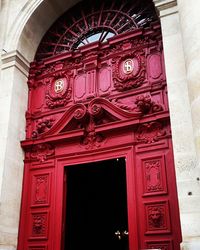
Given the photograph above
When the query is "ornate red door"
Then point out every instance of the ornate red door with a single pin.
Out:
(94, 102)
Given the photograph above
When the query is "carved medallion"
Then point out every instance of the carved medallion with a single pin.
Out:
(128, 71)
(58, 90)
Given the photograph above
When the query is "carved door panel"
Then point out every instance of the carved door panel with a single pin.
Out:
(157, 195)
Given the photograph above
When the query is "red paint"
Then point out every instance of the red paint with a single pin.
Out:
(101, 113)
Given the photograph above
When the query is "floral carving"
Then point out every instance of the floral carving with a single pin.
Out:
(39, 227)
(146, 105)
(135, 78)
(42, 125)
(150, 132)
(58, 98)
(42, 151)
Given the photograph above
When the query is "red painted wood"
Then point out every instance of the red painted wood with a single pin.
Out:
(85, 107)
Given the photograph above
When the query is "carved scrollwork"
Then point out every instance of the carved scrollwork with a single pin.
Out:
(58, 90)
(143, 104)
(40, 152)
(128, 71)
(150, 132)
(80, 112)
(95, 110)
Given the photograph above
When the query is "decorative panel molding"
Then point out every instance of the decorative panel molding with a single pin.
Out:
(41, 189)
(154, 175)
(80, 86)
(155, 67)
(104, 80)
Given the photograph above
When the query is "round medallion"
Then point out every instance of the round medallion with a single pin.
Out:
(59, 85)
(128, 66)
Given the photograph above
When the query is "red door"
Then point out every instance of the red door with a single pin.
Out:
(87, 108)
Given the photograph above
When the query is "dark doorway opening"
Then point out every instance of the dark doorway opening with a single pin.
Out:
(96, 206)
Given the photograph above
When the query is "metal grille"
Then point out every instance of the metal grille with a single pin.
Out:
(95, 20)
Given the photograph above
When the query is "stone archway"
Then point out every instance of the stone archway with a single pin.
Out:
(15, 65)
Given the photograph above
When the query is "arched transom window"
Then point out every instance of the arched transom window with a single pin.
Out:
(95, 21)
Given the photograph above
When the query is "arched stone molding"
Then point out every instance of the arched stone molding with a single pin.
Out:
(22, 35)
(31, 23)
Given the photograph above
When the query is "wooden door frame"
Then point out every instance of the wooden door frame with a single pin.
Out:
(118, 152)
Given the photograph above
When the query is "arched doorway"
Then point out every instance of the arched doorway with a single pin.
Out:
(98, 94)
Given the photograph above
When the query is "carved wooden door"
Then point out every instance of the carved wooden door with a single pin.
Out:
(93, 103)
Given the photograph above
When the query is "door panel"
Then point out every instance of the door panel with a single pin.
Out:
(157, 197)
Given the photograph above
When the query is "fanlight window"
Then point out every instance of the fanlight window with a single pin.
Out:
(93, 20)
(100, 37)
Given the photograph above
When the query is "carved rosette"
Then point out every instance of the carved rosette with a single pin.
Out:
(40, 152)
(150, 132)
(128, 71)
(58, 90)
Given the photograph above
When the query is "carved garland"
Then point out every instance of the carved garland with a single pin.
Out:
(42, 151)
(150, 132)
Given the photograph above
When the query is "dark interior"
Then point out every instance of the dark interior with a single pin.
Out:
(96, 206)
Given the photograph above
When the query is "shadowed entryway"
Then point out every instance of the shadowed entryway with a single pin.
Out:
(96, 206)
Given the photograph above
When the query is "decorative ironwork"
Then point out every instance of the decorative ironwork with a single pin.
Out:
(95, 20)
